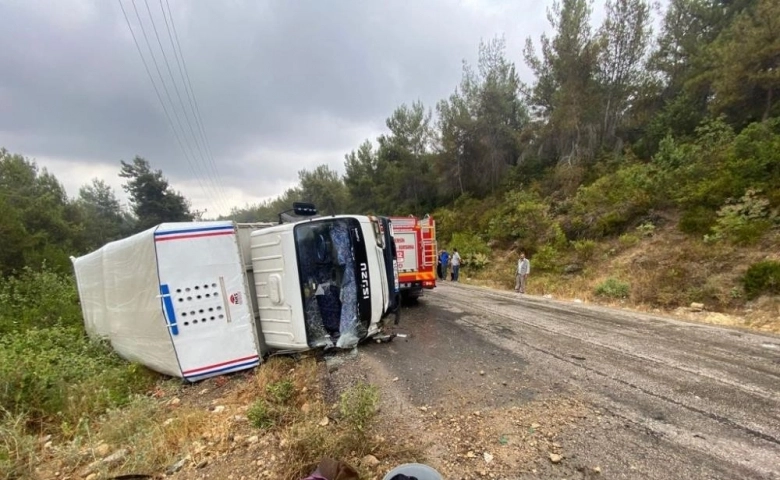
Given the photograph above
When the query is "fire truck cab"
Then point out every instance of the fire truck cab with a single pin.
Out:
(415, 242)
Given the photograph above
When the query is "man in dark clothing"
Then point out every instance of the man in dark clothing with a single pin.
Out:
(444, 259)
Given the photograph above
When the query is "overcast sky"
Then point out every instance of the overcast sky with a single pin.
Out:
(280, 85)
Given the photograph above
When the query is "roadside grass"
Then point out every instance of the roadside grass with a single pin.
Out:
(308, 427)
(54, 381)
(154, 436)
(664, 270)
(18, 449)
(351, 435)
(68, 403)
(152, 433)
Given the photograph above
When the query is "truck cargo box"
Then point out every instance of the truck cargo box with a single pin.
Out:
(173, 298)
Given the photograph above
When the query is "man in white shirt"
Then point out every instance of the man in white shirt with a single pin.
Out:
(455, 261)
(523, 269)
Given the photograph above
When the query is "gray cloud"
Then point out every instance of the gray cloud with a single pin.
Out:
(280, 85)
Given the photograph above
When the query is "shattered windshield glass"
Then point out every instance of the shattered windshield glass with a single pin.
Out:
(335, 284)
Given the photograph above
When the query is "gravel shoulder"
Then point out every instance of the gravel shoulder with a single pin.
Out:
(497, 385)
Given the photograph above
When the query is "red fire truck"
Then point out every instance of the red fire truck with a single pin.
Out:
(415, 242)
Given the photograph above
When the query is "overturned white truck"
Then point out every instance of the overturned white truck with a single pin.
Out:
(199, 299)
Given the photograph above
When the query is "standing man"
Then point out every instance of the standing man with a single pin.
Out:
(523, 269)
(455, 264)
(444, 259)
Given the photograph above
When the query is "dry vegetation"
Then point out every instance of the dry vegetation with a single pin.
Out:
(663, 271)
(272, 423)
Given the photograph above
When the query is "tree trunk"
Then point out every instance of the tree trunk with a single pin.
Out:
(768, 105)
(606, 118)
(460, 177)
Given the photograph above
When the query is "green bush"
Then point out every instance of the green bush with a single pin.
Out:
(719, 165)
(697, 220)
(469, 244)
(474, 252)
(281, 392)
(476, 261)
(467, 214)
(546, 258)
(358, 406)
(628, 240)
(38, 299)
(446, 223)
(647, 229)
(261, 415)
(762, 277)
(613, 288)
(56, 377)
(745, 221)
(585, 249)
(610, 203)
(522, 217)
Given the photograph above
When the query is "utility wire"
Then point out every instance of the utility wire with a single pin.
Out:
(186, 148)
(198, 117)
(220, 197)
(159, 97)
(190, 94)
(193, 160)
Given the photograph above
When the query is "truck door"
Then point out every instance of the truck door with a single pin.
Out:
(204, 298)
(276, 288)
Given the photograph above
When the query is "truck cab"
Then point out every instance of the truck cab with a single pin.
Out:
(322, 282)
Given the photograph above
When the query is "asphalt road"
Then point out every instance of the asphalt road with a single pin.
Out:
(674, 399)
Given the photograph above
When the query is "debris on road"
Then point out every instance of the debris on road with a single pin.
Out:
(109, 461)
(177, 466)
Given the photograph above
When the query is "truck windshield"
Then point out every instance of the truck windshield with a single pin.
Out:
(334, 274)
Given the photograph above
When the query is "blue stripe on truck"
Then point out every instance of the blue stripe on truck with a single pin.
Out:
(170, 314)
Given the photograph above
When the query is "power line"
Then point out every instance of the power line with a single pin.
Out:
(193, 162)
(198, 117)
(157, 92)
(159, 97)
(188, 89)
(220, 196)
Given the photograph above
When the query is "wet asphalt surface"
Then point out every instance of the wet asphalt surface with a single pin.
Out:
(673, 399)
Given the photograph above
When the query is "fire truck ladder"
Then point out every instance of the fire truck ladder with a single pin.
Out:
(428, 230)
